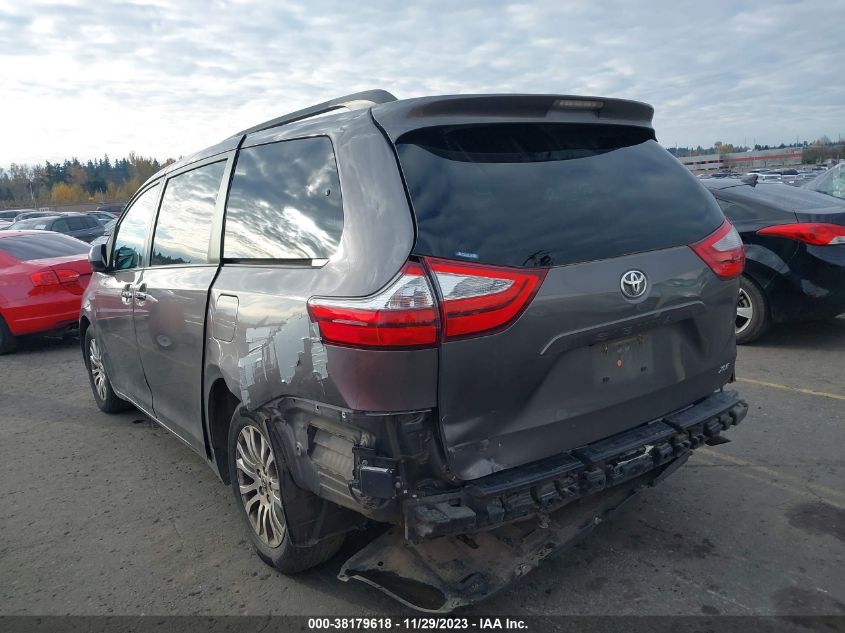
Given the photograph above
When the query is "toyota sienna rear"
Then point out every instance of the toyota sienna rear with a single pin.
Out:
(453, 314)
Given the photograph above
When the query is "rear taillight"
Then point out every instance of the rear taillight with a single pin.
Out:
(404, 314)
(61, 276)
(44, 278)
(67, 277)
(808, 232)
(479, 299)
(474, 299)
(722, 251)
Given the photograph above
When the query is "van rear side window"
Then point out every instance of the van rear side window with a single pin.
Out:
(284, 202)
(542, 194)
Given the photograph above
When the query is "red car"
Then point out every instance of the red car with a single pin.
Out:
(42, 278)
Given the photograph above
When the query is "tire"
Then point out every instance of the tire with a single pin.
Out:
(105, 397)
(7, 339)
(250, 451)
(752, 318)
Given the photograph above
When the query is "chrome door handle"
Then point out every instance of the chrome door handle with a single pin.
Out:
(126, 293)
(141, 295)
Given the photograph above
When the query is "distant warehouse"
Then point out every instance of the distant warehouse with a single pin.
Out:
(743, 161)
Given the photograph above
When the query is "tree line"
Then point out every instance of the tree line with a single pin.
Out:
(73, 181)
(811, 152)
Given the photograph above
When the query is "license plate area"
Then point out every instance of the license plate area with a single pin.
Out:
(623, 360)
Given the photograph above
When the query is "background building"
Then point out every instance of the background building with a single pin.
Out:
(743, 161)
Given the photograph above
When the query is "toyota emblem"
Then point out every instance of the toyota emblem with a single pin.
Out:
(633, 284)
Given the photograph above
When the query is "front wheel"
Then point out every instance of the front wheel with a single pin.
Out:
(254, 472)
(105, 397)
(752, 312)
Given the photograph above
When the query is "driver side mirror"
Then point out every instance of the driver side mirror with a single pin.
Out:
(97, 258)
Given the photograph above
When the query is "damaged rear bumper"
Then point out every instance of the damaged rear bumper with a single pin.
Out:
(550, 484)
(440, 575)
(521, 517)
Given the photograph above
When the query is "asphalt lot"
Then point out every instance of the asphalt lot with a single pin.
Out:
(111, 515)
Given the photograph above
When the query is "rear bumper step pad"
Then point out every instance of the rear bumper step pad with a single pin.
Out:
(550, 484)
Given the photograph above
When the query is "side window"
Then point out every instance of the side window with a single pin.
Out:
(184, 222)
(129, 243)
(76, 224)
(60, 226)
(284, 202)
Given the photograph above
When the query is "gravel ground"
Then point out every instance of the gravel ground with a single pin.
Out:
(111, 515)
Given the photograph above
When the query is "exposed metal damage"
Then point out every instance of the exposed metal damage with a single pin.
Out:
(440, 575)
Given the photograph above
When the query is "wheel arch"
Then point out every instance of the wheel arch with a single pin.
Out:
(84, 324)
(220, 405)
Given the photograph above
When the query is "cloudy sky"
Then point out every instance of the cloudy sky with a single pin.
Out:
(164, 79)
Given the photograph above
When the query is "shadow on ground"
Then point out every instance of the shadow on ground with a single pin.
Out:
(811, 335)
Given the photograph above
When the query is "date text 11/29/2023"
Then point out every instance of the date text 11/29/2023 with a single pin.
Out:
(421, 623)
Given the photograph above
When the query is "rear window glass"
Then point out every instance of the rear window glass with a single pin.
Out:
(42, 246)
(30, 223)
(549, 194)
(284, 202)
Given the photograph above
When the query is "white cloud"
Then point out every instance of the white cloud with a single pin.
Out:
(166, 79)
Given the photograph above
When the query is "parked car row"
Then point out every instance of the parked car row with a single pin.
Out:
(103, 214)
(796, 177)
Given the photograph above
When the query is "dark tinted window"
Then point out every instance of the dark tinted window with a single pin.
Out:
(129, 243)
(41, 246)
(549, 194)
(284, 202)
(60, 225)
(77, 223)
(185, 218)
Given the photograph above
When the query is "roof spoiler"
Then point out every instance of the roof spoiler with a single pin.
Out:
(365, 99)
(409, 114)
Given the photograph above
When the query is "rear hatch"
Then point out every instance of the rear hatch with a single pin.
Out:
(581, 204)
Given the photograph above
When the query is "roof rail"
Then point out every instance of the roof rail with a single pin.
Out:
(356, 100)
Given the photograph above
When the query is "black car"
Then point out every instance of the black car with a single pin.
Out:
(103, 217)
(82, 226)
(795, 253)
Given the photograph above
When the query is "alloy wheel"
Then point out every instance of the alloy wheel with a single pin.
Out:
(258, 482)
(98, 372)
(744, 311)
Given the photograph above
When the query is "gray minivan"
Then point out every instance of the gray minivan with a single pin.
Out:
(447, 313)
